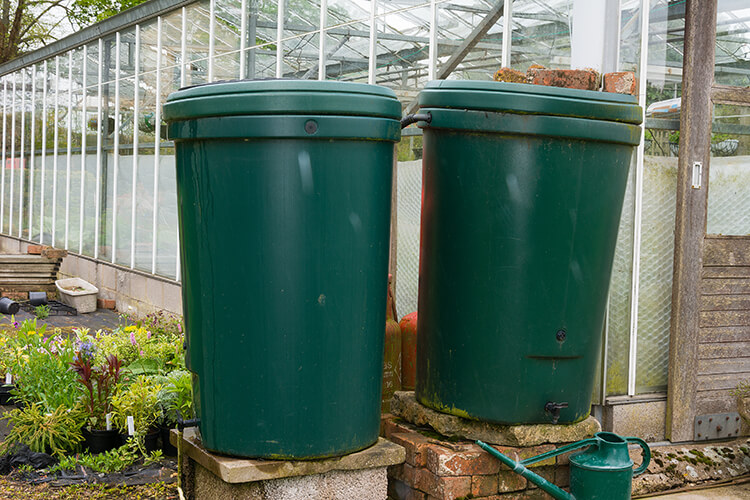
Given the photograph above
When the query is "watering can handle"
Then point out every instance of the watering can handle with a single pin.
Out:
(645, 454)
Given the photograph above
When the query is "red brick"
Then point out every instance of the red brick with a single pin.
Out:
(484, 485)
(105, 303)
(621, 82)
(547, 473)
(402, 491)
(562, 476)
(510, 481)
(390, 425)
(519, 454)
(403, 472)
(444, 488)
(415, 445)
(569, 78)
(35, 249)
(509, 75)
(445, 462)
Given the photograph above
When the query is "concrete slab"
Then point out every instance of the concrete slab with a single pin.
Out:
(405, 405)
(242, 470)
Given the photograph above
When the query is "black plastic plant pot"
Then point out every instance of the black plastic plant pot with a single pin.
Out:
(98, 441)
(37, 298)
(6, 398)
(8, 306)
(166, 447)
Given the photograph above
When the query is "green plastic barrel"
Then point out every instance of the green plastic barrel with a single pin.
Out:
(523, 190)
(284, 191)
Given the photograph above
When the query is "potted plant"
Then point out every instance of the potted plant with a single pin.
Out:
(723, 145)
(55, 432)
(99, 383)
(139, 400)
(175, 402)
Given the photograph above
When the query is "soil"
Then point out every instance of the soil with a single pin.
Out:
(74, 288)
(15, 486)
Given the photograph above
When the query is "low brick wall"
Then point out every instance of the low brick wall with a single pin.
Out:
(440, 468)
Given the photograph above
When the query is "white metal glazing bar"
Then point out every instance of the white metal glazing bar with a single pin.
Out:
(183, 48)
(157, 144)
(84, 100)
(12, 153)
(97, 201)
(5, 141)
(432, 53)
(116, 149)
(372, 61)
(42, 183)
(211, 38)
(322, 40)
(69, 144)
(22, 157)
(507, 32)
(55, 150)
(32, 151)
(136, 117)
(243, 38)
(280, 39)
(638, 215)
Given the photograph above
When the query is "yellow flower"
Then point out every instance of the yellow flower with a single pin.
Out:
(130, 328)
(31, 332)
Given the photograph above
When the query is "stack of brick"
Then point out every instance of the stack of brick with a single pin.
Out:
(440, 468)
(622, 82)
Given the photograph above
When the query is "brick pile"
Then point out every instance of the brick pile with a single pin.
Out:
(441, 468)
(584, 79)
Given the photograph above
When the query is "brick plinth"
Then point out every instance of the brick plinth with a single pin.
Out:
(442, 468)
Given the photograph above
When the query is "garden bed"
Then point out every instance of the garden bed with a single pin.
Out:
(70, 382)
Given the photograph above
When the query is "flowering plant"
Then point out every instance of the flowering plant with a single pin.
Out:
(99, 383)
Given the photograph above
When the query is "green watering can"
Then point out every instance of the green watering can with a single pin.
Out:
(602, 471)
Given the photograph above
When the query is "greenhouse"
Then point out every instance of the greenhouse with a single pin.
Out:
(88, 166)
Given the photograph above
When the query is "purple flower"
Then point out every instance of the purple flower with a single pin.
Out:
(148, 334)
(132, 338)
(179, 327)
(16, 324)
(87, 350)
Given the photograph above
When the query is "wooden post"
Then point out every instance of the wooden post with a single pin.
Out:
(690, 218)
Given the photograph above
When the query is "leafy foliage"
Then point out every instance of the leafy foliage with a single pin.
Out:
(57, 432)
(86, 12)
(99, 382)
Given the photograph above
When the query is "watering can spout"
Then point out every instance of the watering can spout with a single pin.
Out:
(520, 469)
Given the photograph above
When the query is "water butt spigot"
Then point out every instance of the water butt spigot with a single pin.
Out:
(603, 470)
(554, 409)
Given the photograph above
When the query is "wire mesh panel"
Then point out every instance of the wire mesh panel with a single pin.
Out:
(618, 314)
(657, 254)
(409, 208)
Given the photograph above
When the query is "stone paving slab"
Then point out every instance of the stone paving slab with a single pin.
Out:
(734, 492)
(405, 405)
(243, 470)
(677, 466)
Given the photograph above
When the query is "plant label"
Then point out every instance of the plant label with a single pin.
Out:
(131, 426)
(8, 378)
(108, 418)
